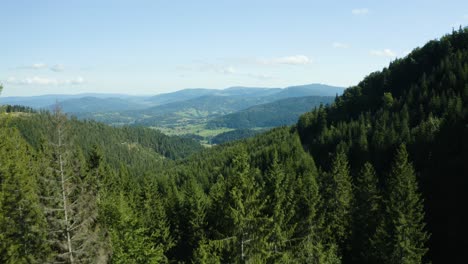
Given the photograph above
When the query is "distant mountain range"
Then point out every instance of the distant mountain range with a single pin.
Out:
(44, 101)
(95, 101)
(233, 108)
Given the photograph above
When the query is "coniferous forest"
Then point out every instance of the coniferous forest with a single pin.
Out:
(378, 176)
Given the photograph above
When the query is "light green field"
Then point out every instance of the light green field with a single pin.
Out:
(196, 129)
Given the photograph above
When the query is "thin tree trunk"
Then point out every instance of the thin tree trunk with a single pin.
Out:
(64, 199)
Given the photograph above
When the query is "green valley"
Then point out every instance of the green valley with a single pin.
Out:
(193, 111)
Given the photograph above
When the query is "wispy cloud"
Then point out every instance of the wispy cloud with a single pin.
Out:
(43, 66)
(208, 67)
(259, 76)
(227, 70)
(37, 80)
(36, 66)
(339, 45)
(360, 11)
(287, 60)
(383, 53)
(57, 68)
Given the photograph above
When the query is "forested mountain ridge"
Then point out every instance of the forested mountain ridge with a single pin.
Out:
(278, 113)
(379, 176)
(137, 147)
(421, 101)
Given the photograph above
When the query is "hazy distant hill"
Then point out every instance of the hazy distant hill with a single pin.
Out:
(278, 113)
(94, 104)
(188, 107)
(308, 90)
(44, 101)
(193, 109)
(181, 95)
(231, 100)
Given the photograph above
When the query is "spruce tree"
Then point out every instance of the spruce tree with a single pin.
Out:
(154, 217)
(337, 198)
(129, 238)
(193, 217)
(245, 207)
(22, 223)
(312, 250)
(401, 236)
(366, 214)
(281, 209)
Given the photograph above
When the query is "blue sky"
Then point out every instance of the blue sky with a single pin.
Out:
(150, 47)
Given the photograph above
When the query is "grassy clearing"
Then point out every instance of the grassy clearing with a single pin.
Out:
(198, 129)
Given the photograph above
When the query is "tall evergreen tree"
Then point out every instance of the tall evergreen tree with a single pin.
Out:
(337, 198)
(22, 223)
(366, 214)
(281, 209)
(130, 240)
(401, 236)
(193, 217)
(245, 206)
(154, 217)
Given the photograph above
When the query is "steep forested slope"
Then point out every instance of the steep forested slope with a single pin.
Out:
(235, 135)
(279, 113)
(420, 100)
(138, 147)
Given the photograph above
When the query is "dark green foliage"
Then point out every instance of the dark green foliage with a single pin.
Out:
(401, 235)
(367, 214)
(139, 148)
(234, 135)
(16, 108)
(421, 101)
(129, 239)
(245, 223)
(22, 222)
(337, 195)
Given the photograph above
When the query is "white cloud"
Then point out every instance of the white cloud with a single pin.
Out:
(37, 80)
(44, 66)
(259, 76)
(383, 53)
(360, 11)
(339, 45)
(78, 80)
(226, 70)
(208, 67)
(38, 66)
(57, 68)
(288, 60)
